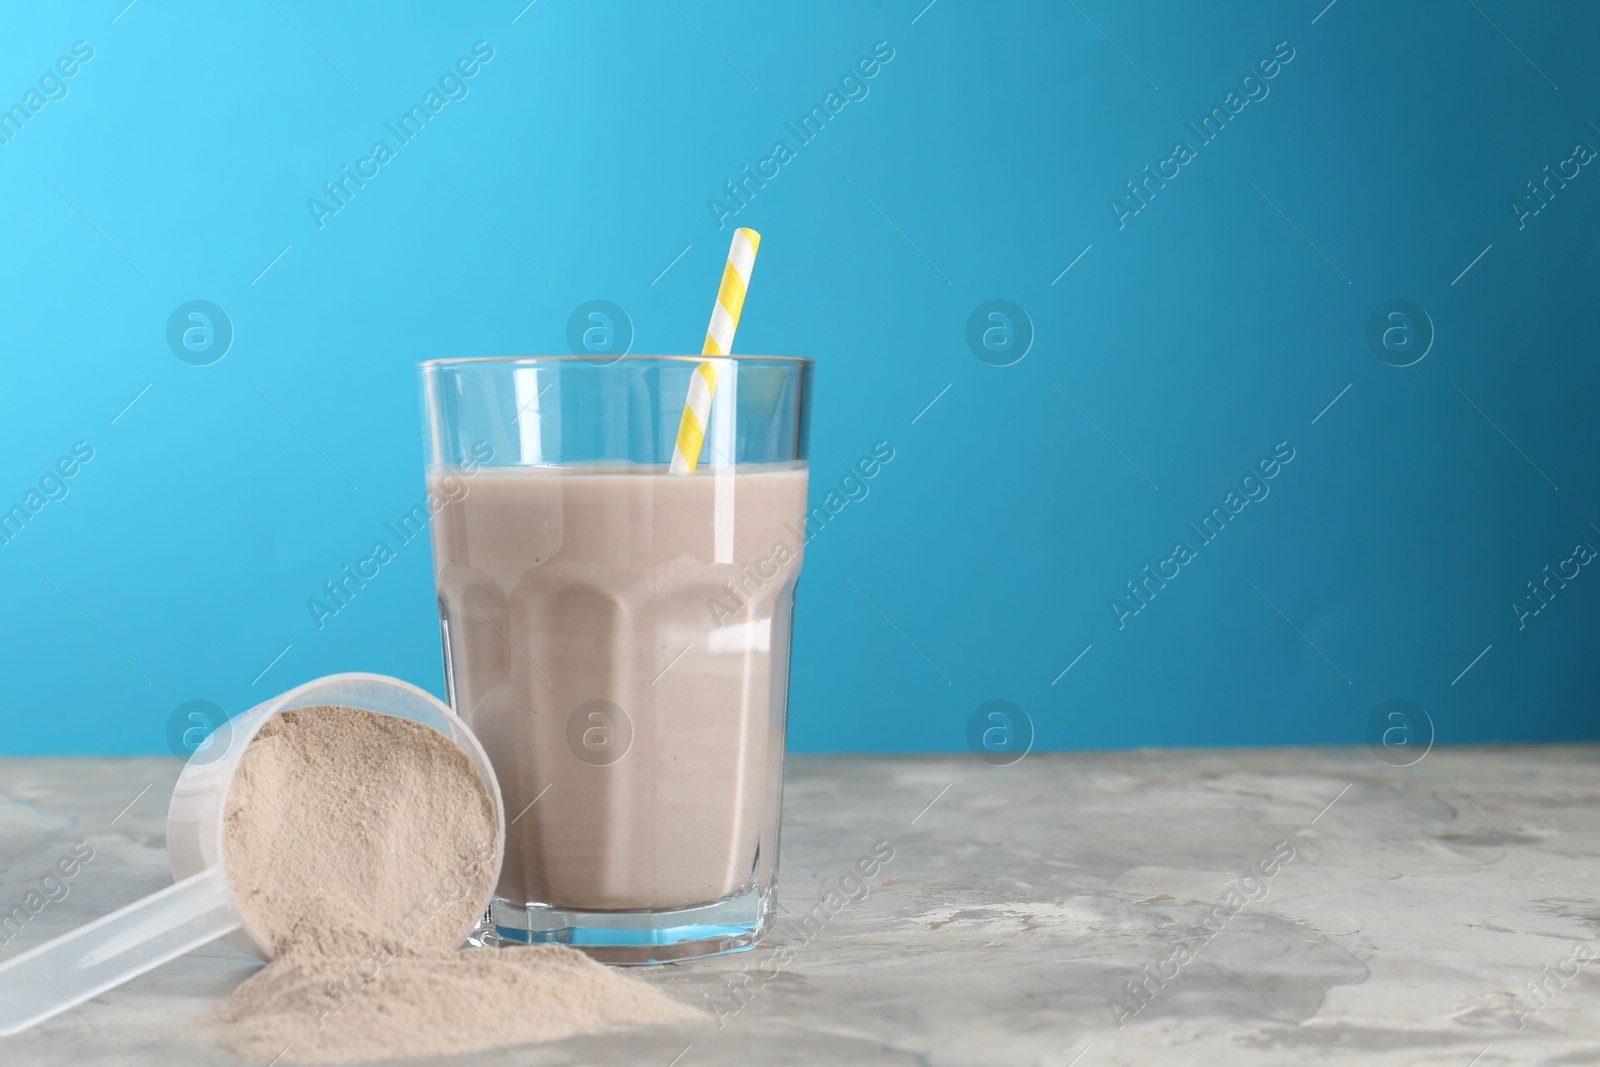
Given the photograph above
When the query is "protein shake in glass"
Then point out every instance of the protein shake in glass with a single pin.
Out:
(616, 555)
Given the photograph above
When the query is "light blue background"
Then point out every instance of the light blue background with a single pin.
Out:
(981, 164)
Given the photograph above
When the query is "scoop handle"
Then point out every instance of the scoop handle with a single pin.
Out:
(114, 949)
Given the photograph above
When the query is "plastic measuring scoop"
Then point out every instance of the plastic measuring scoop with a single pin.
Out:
(200, 907)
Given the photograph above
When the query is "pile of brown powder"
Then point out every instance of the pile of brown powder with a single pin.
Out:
(359, 847)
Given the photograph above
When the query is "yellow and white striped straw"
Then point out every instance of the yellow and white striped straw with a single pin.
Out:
(719, 342)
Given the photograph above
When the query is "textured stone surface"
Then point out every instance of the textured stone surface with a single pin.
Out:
(1017, 905)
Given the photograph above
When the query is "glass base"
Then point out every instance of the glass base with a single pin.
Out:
(634, 937)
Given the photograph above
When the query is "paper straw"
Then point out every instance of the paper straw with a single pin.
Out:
(719, 342)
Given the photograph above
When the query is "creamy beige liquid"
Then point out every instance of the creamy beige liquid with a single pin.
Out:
(561, 589)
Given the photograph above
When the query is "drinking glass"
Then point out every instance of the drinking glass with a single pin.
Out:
(617, 636)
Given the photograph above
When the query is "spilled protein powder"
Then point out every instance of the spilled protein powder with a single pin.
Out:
(360, 848)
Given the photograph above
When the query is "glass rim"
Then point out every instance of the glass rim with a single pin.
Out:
(601, 361)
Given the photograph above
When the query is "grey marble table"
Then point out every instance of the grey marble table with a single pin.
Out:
(1285, 906)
